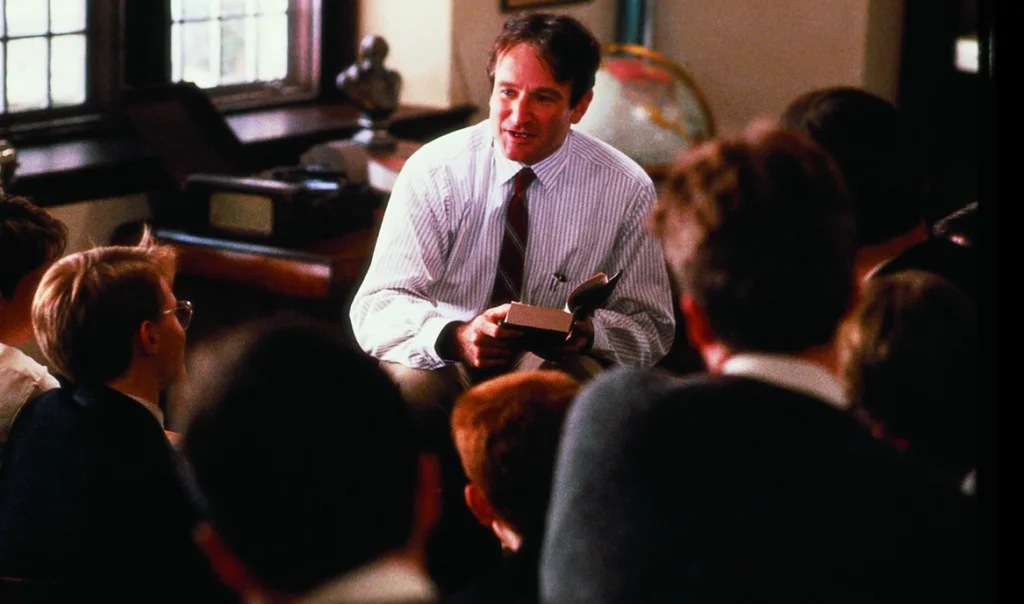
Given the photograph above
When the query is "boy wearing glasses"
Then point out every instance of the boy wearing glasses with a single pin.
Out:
(91, 501)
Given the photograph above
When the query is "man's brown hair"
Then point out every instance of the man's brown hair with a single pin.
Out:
(29, 238)
(506, 431)
(566, 45)
(758, 229)
(89, 305)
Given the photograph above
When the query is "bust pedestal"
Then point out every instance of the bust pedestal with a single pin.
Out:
(374, 135)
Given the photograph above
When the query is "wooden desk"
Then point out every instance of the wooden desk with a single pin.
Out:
(231, 283)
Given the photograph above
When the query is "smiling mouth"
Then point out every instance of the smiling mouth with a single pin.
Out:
(519, 136)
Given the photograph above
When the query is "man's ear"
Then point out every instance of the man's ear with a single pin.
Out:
(477, 503)
(702, 335)
(698, 328)
(581, 107)
(149, 339)
(225, 562)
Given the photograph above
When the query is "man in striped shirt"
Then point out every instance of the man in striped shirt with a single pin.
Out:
(427, 306)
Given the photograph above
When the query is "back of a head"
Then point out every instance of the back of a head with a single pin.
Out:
(873, 146)
(569, 48)
(303, 453)
(507, 431)
(758, 230)
(910, 361)
(29, 239)
(89, 304)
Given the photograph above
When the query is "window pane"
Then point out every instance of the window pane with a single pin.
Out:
(234, 52)
(176, 10)
(25, 18)
(198, 9)
(67, 78)
(3, 78)
(176, 60)
(67, 15)
(27, 71)
(197, 45)
(273, 47)
(967, 54)
(273, 6)
(235, 8)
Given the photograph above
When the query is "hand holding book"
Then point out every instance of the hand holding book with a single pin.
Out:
(550, 327)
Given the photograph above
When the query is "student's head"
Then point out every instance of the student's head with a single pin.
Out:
(100, 311)
(30, 241)
(876, 152)
(506, 431)
(542, 69)
(910, 359)
(757, 231)
(304, 455)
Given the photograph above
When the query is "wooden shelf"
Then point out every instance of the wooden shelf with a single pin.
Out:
(106, 166)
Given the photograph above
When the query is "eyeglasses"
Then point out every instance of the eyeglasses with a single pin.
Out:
(182, 312)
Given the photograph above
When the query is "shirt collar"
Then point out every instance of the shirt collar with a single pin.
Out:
(790, 373)
(546, 170)
(384, 580)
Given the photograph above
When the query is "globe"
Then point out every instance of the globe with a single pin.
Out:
(646, 106)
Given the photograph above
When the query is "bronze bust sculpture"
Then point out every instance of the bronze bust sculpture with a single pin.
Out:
(375, 89)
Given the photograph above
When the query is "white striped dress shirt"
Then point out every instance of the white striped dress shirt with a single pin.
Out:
(437, 252)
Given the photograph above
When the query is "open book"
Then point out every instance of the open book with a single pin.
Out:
(548, 327)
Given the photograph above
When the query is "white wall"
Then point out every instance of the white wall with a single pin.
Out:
(91, 223)
(419, 36)
(750, 57)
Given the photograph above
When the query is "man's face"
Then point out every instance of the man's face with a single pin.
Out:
(172, 341)
(530, 111)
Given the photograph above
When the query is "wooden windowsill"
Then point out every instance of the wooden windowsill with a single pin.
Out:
(109, 166)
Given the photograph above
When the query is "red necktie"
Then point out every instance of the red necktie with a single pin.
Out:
(508, 282)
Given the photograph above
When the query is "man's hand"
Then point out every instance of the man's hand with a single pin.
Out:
(579, 341)
(483, 342)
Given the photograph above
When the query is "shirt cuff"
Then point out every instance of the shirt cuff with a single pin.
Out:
(445, 334)
(600, 345)
(429, 335)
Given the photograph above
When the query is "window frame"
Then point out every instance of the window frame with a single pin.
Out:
(100, 73)
(303, 61)
(129, 42)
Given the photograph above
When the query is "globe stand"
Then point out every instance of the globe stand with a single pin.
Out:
(374, 135)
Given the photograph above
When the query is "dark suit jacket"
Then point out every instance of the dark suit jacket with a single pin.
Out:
(727, 489)
(91, 500)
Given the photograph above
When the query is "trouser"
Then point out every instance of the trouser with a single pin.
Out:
(436, 389)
